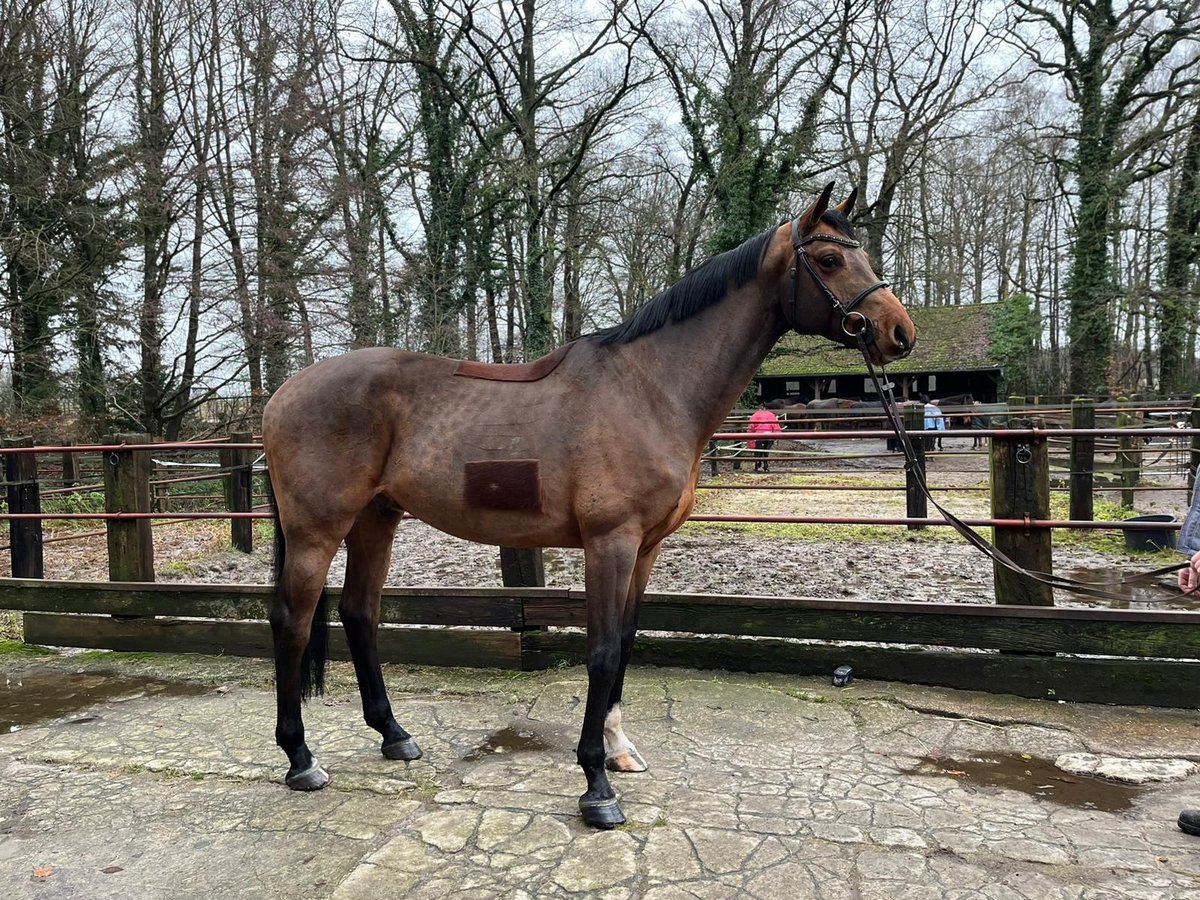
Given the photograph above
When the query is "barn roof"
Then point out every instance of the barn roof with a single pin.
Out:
(949, 339)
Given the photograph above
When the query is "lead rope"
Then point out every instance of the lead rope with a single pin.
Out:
(884, 390)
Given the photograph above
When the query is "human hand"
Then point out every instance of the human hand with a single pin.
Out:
(1189, 576)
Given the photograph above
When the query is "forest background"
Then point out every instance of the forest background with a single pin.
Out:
(197, 198)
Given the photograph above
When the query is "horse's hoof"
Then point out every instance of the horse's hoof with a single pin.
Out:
(406, 750)
(601, 813)
(311, 779)
(626, 761)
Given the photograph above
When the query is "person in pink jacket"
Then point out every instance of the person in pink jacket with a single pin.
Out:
(763, 421)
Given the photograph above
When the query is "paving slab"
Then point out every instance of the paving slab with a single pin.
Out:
(760, 786)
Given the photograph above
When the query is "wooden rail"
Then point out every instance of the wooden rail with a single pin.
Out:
(1093, 655)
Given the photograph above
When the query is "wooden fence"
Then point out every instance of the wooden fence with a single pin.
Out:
(1036, 650)
(1093, 655)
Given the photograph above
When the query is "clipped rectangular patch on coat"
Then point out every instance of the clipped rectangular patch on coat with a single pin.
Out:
(511, 484)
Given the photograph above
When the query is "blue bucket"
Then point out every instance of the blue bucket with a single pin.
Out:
(1150, 540)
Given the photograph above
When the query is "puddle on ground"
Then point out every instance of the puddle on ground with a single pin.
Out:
(508, 740)
(1161, 594)
(32, 697)
(1038, 778)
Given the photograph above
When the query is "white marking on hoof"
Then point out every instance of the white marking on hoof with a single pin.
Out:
(619, 753)
(628, 761)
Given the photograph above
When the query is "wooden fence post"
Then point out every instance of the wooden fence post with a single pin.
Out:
(127, 489)
(522, 567)
(1194, 463)
(24, 535)
(1083, 461)
(69, 475)
(916, 507)
(1128, 458)
(239, 490)
(1021, 490)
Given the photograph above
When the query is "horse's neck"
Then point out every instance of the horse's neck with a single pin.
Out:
(704, 363)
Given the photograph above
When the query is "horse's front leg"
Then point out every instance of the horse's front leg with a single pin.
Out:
(609, 562)
(620, 755)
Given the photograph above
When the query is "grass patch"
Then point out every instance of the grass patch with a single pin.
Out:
(19, 649)
(857, 492)
(79, 502)
(1102, 541)
(118, 656)
(264, 532)
(796, 531)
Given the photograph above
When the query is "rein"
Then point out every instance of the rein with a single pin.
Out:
(865, 337)
(972, 536)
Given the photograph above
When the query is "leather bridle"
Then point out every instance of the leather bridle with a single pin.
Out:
(846, 308)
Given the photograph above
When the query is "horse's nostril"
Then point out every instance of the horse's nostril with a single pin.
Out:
(901, 338)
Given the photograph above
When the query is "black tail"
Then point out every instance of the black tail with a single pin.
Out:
(312, 663)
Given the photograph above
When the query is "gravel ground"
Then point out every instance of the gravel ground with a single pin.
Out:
(810, 561)
(725, 563)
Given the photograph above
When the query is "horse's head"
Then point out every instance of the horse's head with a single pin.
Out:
(830, 288)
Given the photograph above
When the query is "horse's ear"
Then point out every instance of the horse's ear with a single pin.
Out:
(848, 204)
(809, 220)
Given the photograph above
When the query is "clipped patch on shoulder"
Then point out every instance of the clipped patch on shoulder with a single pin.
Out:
(512, 484)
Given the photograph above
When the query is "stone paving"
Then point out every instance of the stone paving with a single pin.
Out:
(760, 787)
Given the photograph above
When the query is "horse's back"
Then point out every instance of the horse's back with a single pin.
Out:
(522, 463)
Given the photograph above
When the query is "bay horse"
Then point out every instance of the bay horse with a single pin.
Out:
(596, 446)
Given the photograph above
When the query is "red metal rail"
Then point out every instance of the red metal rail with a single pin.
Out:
(798, 520)
(720, 436)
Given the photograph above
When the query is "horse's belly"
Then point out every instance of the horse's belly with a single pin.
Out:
(503, 528)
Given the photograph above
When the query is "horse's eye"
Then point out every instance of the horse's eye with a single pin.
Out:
(830, 261)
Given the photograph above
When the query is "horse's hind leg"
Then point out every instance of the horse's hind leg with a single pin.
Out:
(368, 553)
(301, 582)
(620, 755)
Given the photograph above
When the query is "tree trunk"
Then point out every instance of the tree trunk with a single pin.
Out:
(1177, 305)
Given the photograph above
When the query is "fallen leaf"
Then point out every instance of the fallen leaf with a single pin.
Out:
(41, 873)
(112, 870)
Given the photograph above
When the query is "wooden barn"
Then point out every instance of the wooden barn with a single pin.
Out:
(953, 357)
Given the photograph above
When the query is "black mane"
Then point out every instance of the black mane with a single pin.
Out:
(697, 290)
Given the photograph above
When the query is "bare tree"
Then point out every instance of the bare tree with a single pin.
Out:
(528, 82)
(1125, 69)
(749, 78)
(913, 74)
(1177, 306)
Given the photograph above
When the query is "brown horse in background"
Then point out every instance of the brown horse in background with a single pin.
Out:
(597, 446)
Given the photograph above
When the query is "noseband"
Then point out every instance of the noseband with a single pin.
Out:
(863, 330)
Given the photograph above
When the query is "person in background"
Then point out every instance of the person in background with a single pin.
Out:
(763, 421)
(1189, 582)
(934, 421)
